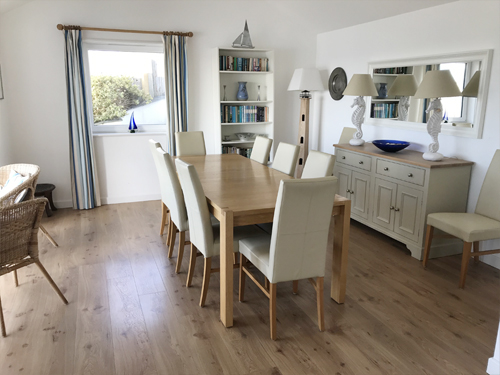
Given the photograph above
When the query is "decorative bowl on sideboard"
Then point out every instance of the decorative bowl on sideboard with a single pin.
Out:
(390, 145)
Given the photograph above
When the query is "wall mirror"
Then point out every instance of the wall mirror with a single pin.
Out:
(463, 116)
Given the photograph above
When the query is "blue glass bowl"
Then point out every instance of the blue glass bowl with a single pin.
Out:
(389, 145)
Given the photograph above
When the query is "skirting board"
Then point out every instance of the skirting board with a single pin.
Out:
(494, 261)
(130, 199)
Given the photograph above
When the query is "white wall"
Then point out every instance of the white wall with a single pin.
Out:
(454, 27)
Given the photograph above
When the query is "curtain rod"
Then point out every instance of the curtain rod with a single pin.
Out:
(74, 27)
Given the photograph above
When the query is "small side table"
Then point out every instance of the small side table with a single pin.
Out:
(45, 190)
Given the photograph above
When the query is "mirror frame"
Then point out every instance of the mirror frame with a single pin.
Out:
(484, 56)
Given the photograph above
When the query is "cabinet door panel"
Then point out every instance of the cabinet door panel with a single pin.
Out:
(384, 199)
(360, 194)
(409, 203)
(344, 176)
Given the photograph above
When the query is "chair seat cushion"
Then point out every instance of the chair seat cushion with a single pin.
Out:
(467, 226)
(238, 234)
(256, 250)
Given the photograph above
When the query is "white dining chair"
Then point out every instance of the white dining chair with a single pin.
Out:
(318, 164)
(153, 145)
(482, 225)
(204, 233)
(296, 249)
(346, 135)
(190, 143)
(171, 190)
(285, 159)
(261, 149)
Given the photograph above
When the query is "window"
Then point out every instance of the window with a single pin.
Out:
(455, 108)
(125, 79)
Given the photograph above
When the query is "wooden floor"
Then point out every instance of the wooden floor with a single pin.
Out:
(129, 313)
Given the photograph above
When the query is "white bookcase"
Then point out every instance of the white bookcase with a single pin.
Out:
(230, 79)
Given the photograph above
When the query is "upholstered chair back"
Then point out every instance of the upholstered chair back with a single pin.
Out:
(346, 135)
(300, 231)
(190, 143)
(174, 199)
(261, 149)
(285, 159)
(153, 145)
(200, 226)
(318, 164)
(488, 202)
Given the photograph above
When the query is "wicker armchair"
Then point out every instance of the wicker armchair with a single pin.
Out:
(25, 169)
(19, 225)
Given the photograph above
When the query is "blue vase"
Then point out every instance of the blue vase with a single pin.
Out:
(382, 91)
(242, 91)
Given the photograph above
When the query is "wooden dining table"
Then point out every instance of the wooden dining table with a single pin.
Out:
(240, 192)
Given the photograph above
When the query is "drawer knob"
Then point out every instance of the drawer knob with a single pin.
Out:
(410, 174)
(343, 157)
(361, 162)
(392, 207)
(396, 209)
(386, 169)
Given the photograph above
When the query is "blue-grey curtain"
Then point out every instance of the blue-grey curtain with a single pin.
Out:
(84, 184)
(176, 87)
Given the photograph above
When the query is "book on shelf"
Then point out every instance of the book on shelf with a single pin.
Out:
(243, 113)
(396, 70)
(384, 110)
(243, 64)
(245, 151)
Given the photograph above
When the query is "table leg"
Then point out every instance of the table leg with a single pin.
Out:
(226, 268)
(340, 251)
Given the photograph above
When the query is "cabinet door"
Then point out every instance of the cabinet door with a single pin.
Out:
(360, 194)
(384, 203)
(344, 176)
(408, 209)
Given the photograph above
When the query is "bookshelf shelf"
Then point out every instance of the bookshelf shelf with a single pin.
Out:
(225, 85)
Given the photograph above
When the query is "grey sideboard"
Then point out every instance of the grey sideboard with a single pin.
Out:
(393, 192)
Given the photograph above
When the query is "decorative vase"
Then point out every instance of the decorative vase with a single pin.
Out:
(258, 93)
(382, 91)
(224, 98)
(242, 91)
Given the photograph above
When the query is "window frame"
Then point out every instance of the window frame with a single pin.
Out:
(120, 46)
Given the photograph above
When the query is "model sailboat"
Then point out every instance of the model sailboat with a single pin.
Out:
(243, 40)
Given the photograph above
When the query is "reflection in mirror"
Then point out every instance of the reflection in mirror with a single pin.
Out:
(396, 82)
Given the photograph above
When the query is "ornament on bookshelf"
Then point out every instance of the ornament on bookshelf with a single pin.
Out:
(382, 90)
(243, 40)
(132, 127)
(242, 91)
(258, 93)
(224, 98)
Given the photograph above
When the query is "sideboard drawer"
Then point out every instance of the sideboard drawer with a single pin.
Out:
(354, 160)
(402, 172)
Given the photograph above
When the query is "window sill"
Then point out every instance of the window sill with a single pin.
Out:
(128, 134)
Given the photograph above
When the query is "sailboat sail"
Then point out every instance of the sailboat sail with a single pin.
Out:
(243, 40)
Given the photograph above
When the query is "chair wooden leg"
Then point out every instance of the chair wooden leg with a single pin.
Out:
(295, 286)
(51, 282)
(180, 253)
(266, 283)
(16, 280)
(206, 280)
(169, 233)
(243, 263)
(164, 214)
(476, 250)
(272, 309)
(192, 263)
(2, 322)
(49, 237)
(465, 263)
(173, 234)
(320, 303)
(428, 241)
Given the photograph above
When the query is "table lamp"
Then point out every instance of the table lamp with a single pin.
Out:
(304, 80)
(404, 86)
(472, 87)
(360, 85)
(436, 84)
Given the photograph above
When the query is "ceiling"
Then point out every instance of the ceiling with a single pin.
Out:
(347, 12)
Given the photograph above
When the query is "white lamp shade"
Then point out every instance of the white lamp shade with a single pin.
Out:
(472, 87)
(438, 84)
(404, 85)
(306, 79)
(361, 85)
